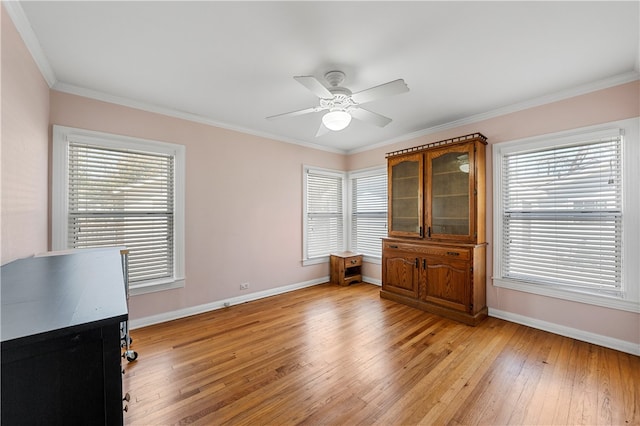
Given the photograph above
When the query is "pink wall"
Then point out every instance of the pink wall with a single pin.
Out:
(243, 202)
(616, 103)
(244, 194)
(24, 149)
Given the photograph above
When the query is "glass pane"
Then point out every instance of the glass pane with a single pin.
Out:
(405, 197)
(450, 194)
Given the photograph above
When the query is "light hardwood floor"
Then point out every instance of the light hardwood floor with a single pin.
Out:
(341, 355)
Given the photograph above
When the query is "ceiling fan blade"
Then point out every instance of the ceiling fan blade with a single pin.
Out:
(315, 86)
(370, 117)
(322, 130)
(296, 113)
(388, 89)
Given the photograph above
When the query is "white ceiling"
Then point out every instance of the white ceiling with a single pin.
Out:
(231, 63)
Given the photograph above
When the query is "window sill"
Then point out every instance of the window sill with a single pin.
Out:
(325, 259)
(605, 301)
(315, 261)
(155, 286)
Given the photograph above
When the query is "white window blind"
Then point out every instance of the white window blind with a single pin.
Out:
(123, 198)
(369, 213)
(324, 213)
(562, 216)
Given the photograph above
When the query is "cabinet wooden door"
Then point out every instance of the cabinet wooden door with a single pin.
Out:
(405, 181)
(448, 283)
(450, 196)
(401, 273)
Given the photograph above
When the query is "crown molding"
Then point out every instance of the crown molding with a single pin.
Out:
(104, 97)
(17, 15)
(541, 100)
(520, 106)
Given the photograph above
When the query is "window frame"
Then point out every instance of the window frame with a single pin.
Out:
(305, 214)
(351, 176)
(629, 297)
(62, 136)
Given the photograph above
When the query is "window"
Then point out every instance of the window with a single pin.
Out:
(323, 215)
(344, 210)
(559, 217)
(116, 191)
(368, 212)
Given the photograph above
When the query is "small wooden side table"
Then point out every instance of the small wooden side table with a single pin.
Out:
(346, 268)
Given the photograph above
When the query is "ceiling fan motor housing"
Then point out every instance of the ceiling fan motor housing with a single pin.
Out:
(335, 78)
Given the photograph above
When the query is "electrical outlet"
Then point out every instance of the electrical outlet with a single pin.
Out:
(244, 286)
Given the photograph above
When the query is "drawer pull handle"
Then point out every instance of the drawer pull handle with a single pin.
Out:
(393, 246)
(453, 253)
(353, 262)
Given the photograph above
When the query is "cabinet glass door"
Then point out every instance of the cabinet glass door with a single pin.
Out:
(450, 192)
(405, 196)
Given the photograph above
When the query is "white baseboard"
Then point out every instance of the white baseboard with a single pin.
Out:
(194, 310)
(372, 280)
(585, 336)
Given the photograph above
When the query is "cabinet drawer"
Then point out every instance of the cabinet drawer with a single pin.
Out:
(424, 250)
(388, 245)
(449, 252)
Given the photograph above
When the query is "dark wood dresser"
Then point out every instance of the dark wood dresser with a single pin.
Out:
(60, 339)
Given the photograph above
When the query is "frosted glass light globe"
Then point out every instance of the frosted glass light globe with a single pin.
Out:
(336, 120)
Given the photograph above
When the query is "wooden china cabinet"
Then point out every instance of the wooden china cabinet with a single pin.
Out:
(435, 255)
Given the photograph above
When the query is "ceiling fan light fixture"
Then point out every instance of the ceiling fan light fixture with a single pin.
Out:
(336, 120)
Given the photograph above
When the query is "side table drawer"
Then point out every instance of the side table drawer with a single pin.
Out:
(352, 261)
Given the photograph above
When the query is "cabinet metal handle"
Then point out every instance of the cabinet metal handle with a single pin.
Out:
(424, 263)
(429, 232)
(393, 246)
(353, 262)
(453, 253)
(417, 263)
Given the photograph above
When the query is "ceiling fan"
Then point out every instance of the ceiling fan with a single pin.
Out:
(341, 104)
